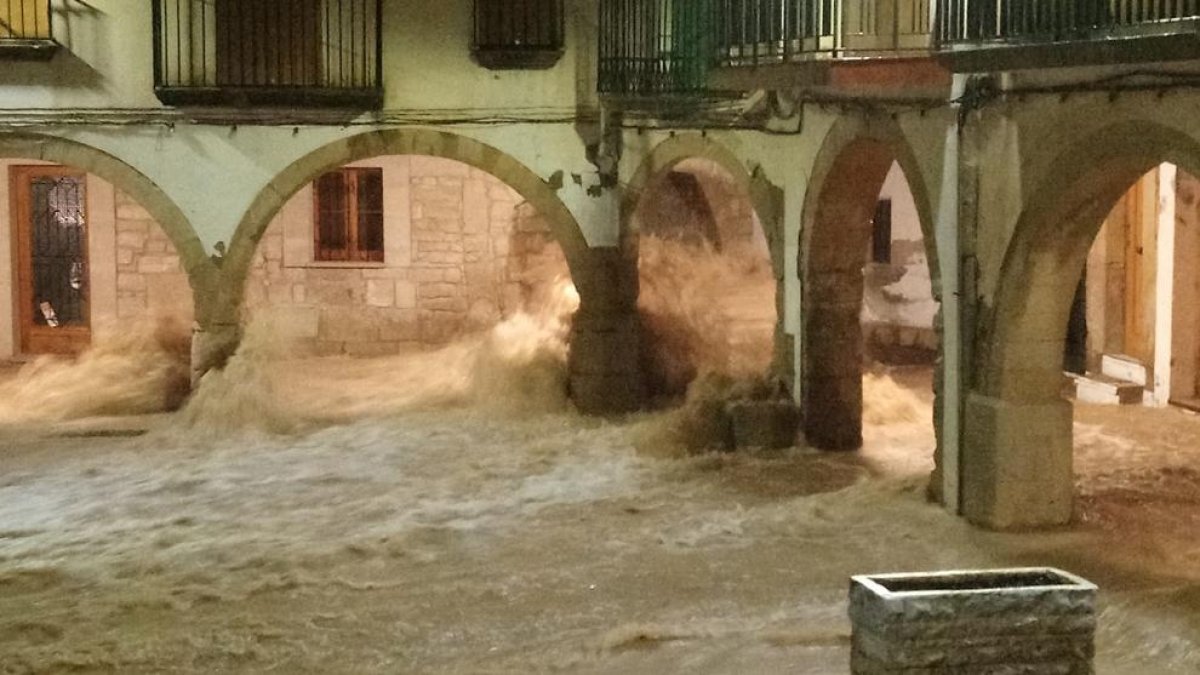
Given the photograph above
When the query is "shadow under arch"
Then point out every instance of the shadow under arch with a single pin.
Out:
(835, 230)
(200, 269)
(1017, 454)
(530, 186)
(765, 198)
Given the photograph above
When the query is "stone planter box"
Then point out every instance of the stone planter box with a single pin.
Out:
(1013, 622)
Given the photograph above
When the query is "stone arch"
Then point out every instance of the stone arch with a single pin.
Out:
(844, 186)
(1017, 454)
(199, 267)
(540, 194)
(766, 200)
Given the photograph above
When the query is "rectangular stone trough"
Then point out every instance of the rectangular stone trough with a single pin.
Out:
(1028, 621)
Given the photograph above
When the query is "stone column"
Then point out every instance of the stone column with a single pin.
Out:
(605, 377)
(604, 364)
(833, 391)
(212, 345)
(1017, 465)
(216, 332)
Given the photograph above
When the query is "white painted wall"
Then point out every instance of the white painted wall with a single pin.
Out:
(108, 46)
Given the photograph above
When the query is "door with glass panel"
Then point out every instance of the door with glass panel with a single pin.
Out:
(50, 223)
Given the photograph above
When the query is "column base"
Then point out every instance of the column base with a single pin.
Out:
(1016, 463)
(211, 348)
(605, 373)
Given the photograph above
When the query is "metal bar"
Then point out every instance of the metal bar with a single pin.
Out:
(156, 22)
(379, 44)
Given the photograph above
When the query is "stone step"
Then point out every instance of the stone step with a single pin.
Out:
(1105, 390)
(1122, 367)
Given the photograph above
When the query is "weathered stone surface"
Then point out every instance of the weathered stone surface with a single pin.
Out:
(460, 255)
(1035, 621)
(607, 394)
(764, 424)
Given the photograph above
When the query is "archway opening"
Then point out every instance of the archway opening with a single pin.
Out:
(707, 291)
(870, 342)
(1128, 323)
(408, 281)
(96, 296)
(1085, 367)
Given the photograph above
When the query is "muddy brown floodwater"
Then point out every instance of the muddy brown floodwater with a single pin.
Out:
(447, 513)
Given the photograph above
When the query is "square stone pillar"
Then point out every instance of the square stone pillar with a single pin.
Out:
(1016, 463)
(605, 373)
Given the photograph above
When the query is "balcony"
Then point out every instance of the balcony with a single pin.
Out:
(855, 44)
(757, 32)
(655, 48)
(518, 34)
(268, 53)
(995, 35)
(26, 30)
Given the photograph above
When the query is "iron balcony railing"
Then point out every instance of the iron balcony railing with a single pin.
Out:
(751, 32)
(319, 53)
(25, 20)
(518, 33)
(670, 46)
(655, 47)
(26, 29)
(976, 21)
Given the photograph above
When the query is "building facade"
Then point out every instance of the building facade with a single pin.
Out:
(187, 139)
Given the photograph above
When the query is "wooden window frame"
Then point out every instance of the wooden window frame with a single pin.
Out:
(352, 251)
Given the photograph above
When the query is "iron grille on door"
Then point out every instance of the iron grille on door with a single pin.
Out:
(58, 251)
(518, 33)
(323, 53)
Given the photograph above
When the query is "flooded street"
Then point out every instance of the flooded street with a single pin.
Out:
(455, 539)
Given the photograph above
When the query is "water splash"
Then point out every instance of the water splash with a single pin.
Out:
(130, 369)
(516, 367)
(703, 311)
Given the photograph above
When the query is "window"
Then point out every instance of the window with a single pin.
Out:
(349, 216)
(518, 33)
(881, 233)
(268, 43)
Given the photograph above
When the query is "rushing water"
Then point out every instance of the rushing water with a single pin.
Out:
(448, 513)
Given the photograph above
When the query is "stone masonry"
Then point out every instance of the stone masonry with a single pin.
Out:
(150, 279)
(462, 251)
(1039, 621)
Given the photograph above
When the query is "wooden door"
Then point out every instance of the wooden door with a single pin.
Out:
(50, 227)
(1140, 247)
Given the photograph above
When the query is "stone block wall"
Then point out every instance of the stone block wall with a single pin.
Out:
(151, 280)
(462, 251)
